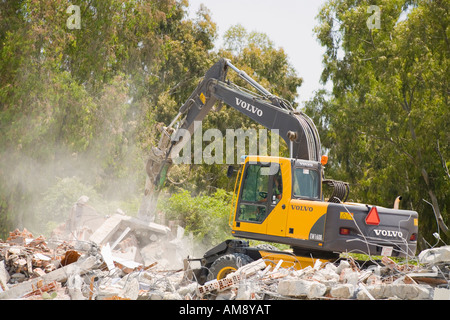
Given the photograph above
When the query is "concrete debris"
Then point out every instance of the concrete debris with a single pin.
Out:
(441, 294)
(125, 258)
(342, 291)
(301, 288)
(435, 255)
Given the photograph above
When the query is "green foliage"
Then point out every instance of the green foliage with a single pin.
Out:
(388, 111)
(82, 103)
(364, 258)
(58, 200)
(205, 216)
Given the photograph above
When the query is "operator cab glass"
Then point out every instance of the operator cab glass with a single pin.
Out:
(261, 191)
(306, 183)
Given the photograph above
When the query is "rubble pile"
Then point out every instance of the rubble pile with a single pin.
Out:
(32, 267)
(343, 279)
(124, 258)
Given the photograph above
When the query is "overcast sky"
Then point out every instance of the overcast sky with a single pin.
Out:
(288, 23)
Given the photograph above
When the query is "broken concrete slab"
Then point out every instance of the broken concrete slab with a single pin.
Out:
(343, 264)
(435, 255)
(4, 276)
(115, 226)
(107, 257)
(347, 275)
(188, 290)
(301, 288)
(251, 268)
(74, 287)
(104, 233)
(441, 294)
(343, 291)
(130, 254)
(326, 275)
(397, 291)
(316, 290)
(130, 287)
(363, 293)
(127, 266)
(412, 291)
(107, 292)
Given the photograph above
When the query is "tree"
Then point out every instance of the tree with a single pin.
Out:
(386, 120)
(83, 102)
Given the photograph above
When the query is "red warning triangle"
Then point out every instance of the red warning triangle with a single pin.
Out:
(373, 218)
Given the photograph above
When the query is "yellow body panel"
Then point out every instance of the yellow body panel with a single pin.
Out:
(260, 228)
(288, 260)
(276, 221)
(303, 215)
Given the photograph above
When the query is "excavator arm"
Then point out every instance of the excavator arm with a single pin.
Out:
(296, 128)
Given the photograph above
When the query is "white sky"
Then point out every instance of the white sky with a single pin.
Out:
(288, 23)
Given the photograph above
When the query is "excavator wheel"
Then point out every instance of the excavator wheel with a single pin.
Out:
(227, 264)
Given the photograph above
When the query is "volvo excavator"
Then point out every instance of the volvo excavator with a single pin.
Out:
(277, 199)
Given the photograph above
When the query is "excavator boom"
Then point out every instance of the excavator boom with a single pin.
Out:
(296, 128)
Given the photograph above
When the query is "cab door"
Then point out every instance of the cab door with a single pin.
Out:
(307, 214)
(257, 198)
(281, 189)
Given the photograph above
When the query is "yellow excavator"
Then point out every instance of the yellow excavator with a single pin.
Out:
(277, 199)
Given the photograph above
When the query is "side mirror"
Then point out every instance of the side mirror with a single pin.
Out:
(230, 171)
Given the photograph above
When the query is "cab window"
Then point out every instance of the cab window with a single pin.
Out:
(258, 187)
(255, 183)
(306, 183)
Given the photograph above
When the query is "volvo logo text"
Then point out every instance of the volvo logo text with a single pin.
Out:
(249, 107)
(302, 208)
(388, 233)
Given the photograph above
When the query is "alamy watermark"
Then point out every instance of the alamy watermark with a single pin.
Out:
(374, 21)
(214, 151)
(74, 21)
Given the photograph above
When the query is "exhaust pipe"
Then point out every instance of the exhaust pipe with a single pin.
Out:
(397, 202)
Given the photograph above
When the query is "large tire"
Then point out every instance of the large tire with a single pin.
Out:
(227, 264)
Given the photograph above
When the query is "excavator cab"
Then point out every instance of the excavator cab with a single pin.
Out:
(273, 194)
